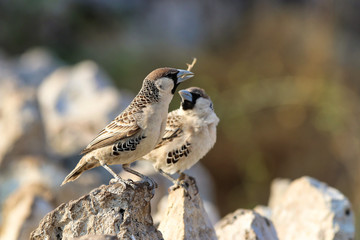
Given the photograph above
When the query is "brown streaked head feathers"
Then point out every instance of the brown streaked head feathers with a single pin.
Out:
(161, 72)
(198, 91)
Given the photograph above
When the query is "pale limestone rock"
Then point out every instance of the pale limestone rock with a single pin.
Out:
(185, 217)
(311, 210)
(107, 210)
(76, 103)
(20, 120)
(39, 170)
(19, 177)
(277, 190)
(23, 210)
(159, 203)
(97, 237)
(263, 211)
(34, 65)
(245, 224)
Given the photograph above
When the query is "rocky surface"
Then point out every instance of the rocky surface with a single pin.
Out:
(109, 209)
(20, 121)
(23, 210)
(277, 190)
(35, 170)
(97, 237)
(76, 103)
(20, 117)
(185, 217)
(311, 210)
(245, 224)
(48, 108)
(159, 203)
(264, 211)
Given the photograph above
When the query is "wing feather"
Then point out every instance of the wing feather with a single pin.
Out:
(173, 129)
(123, 126)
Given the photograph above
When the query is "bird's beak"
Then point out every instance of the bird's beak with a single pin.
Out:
(183, 75)
(185, 95)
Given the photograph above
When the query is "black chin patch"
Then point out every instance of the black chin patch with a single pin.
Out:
(174, 88)
(186, 105)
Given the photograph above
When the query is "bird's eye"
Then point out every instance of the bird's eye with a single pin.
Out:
(195, 95)
(169, 75)
(211, 106)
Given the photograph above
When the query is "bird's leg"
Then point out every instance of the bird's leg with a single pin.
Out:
(151, 181)
(175, 181)
(168, 176)
(117, 178)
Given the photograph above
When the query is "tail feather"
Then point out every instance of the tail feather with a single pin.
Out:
(81, 167)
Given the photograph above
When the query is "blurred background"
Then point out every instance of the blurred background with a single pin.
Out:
(283, 76)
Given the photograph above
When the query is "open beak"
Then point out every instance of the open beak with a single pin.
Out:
(183, 75)
(185, 95)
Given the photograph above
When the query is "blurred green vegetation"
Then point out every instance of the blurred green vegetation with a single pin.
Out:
(283, 78)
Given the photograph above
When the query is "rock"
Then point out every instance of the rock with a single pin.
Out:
(23, 210)
(39, 170)
(245, 225)
(34, 65)
(109, 209)
(311, 210)
(263, 211)
(147, 169)
(20, 121)
(206, 184)
(97, 237)
(34, 170)
(277, 190)
(76, 103)
(159, 203)
(185, 217)
(20, 118)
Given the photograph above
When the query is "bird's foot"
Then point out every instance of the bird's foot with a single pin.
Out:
(185, 184)
(151, 182)
(123, 182)
(181, 184)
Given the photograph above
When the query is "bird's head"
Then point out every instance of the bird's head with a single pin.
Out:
(195, 99)
(166, 80)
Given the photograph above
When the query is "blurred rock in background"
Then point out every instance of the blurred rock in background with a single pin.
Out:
(283, 76)
(310, 209)
(24, 209)
(48, 114)
(75, 103)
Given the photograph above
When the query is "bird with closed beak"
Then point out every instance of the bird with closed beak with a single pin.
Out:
(189, 134)
(136, 130)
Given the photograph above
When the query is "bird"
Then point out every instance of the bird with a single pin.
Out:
(189, 135)
(136, 130)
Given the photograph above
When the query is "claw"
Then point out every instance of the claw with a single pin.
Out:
(182, 184)
(118, 180)
(151, 182)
